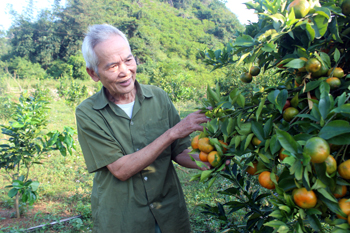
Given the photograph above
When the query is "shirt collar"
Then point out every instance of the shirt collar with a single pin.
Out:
(142, 92)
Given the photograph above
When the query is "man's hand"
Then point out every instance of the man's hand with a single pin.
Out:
(189, 124)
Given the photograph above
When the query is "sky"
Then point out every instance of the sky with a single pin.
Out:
(236, 6)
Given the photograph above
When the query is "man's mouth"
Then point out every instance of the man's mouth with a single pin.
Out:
(126, 82)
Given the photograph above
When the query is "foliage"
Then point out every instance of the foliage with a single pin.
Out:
(72, 91)
(23, 68)
(26, 145)
(78, 64)
(278, 41)
(160, 33)
(59, 69)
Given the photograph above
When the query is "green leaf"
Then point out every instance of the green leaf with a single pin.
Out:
(344, 109)
(248, 140)
(205, 174)
(324, 106)
(287, 141)
(17, 125)
(312, 85)
(261, 105)
(295, 63)
(244, 41)
(269, 47)
(336, 55)
(310, 32)
(241, 100)
(281, 100)
(334, 128)
(34, 185)
(275, 146)
(258, 130)
(13, 192)
(268, 128)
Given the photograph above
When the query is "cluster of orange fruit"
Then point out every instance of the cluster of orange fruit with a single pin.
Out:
(247, 77)
(319, 151)
(317, 70)
(207, 152)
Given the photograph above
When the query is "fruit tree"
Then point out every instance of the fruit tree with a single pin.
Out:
(305, 116)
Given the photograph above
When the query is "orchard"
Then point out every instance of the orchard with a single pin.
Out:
(292, 139)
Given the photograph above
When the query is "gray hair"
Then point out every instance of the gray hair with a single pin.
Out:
(95, 35)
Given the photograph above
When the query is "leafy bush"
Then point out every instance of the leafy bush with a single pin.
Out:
(78, 63)
(60, 68)
(23, 68)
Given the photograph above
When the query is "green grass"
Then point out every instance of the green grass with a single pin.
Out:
(65, 184)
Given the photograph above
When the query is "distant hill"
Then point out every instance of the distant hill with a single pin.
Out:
(165, 35)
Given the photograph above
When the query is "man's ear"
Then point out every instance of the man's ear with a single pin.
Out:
(92, 74)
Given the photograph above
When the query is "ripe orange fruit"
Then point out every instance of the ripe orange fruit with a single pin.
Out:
(312, 65)
(214, 158)
(203, 156)
(256, 141)
(317, 148)
(252, 170)
(331, 164)
(224, 149)
(282, 156)
(265, 180)
(302, 69)
(345, 7)
(301, 8)
(343, 192)
(333, 82)
(344, 206)
(204, 145)
(304, 199)
(338, 72)
(194, 142)
(246, 77)
(254, 70)
(344, 169)
(290, 113)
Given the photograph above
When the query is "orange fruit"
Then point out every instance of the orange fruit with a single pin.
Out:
(338, 72)
(333, 82)
(301, 8)
(194, 142)
(203, 156)
(204, 145)
(344, 206)
(286, 105)
(312, 65)
(256, 141)
(246, 77)
(331, 164)
(254, 70)
(304, 199)
(252, 170)
(302, 69)
(317, 148)
(343, 191)
(321, 72)
(214, 158)
(224, 149)
(281, 155)
(290, 113)
(265, 180)
(345, 7)
(344, 169)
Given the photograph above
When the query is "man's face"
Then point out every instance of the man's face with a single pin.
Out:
(117, 67)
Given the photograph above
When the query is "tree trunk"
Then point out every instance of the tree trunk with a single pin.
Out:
(17, 206)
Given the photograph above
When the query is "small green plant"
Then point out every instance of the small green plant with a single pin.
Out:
(26, 145)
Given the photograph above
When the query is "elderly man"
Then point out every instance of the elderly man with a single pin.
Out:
(129, 134)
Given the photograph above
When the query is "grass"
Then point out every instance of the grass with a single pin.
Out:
(65, 184)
